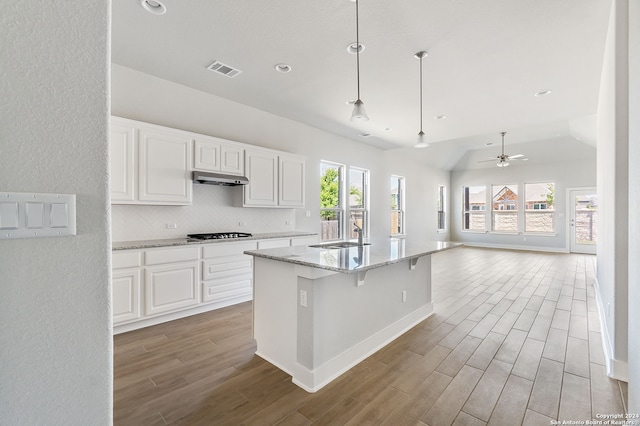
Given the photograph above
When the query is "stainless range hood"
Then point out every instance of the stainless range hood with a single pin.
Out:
(209, 178)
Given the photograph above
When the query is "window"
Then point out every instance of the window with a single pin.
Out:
(539, 209)
(474, 200)
(331, 201)
(358, 201)
(441, 202)
(504, 204)
(397, 205)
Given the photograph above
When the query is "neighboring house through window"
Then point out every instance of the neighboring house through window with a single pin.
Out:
(539, 208)
(504, 208)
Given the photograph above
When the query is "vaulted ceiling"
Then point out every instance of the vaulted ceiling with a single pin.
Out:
(487, 60)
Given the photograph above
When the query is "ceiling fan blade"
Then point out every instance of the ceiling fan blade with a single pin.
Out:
(511, 157)
(486, 161)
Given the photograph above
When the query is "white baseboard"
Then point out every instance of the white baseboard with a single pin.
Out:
(616, 369)
(314, 380)
(515, 247)
(146, 322)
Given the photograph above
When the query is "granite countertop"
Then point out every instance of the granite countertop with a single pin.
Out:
(380, 252)
(142, 244)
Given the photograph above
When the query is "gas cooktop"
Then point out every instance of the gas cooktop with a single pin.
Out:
(218, 235)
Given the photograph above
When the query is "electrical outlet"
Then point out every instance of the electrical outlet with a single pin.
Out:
(404, 296)
(172, 226)
(287, 222)
(242, 224)
(308, 213)
(303, 298)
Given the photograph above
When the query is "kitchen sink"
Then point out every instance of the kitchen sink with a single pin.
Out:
(339, 245)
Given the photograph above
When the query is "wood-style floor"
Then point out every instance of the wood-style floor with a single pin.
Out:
(515, 340)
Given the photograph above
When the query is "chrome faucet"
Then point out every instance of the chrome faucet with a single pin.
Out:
(359, 231)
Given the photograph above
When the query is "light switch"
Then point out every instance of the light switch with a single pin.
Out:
(59, 217)
(35, 215)
(29, 215)
(9, 215)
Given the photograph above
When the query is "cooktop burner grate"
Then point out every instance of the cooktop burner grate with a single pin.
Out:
(218, 235)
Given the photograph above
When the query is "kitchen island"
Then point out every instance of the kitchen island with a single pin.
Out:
(320, 310)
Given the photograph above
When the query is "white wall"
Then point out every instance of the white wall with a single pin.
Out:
(563, 174)
(147, 98)
(634, 206)
(55, 315)
(613, 182)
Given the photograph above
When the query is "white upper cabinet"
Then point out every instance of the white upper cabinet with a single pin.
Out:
(164, 167)
(262, 171)
(149, 164)
(122, 149)
(275, 179)
(218, 155)
(291, 181)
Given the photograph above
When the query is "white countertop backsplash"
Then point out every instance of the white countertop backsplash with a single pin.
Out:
(214, 209)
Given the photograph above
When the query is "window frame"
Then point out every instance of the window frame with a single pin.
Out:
(441, 208)
(365, 202)
(505, 207)
(401, 203)
(468, 209)
(548, 209)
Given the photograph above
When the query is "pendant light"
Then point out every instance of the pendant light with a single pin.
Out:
(359, 113)
(421, 143)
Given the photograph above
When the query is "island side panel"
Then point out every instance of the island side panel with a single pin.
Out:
(275, 312)
(346, 314)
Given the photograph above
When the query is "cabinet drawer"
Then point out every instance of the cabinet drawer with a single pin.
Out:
(221, 290)
(274, 243)
(227, 249)
(232, 265)
(156, 257)
(126, 259)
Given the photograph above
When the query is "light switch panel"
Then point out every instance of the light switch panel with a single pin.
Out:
(28, 215)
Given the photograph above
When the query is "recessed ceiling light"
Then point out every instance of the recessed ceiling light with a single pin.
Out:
(154, 6)
(440, 117)
(388, 129)
(353, 50)
(489, 143)
(364, 135)
(543, 93)
(283, 68)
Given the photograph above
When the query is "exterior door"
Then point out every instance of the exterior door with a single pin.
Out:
(583, 220)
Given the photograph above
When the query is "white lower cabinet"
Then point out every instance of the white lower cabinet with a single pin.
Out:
(227, 273)
(171, 287)
(162, 284)
(126, 295)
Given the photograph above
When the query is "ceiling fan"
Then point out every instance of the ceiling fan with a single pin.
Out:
(503, 159)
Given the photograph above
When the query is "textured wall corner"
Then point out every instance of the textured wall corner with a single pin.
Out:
(55, 339)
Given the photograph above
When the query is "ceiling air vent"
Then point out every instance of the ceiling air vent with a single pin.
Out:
(223, 69)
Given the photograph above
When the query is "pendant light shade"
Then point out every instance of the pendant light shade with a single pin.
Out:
(421, 142)
(359, 113)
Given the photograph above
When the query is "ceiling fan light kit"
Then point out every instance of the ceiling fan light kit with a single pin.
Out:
(503, 159)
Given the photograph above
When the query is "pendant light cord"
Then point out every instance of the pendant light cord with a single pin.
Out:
(357, 51)
(421, 56)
